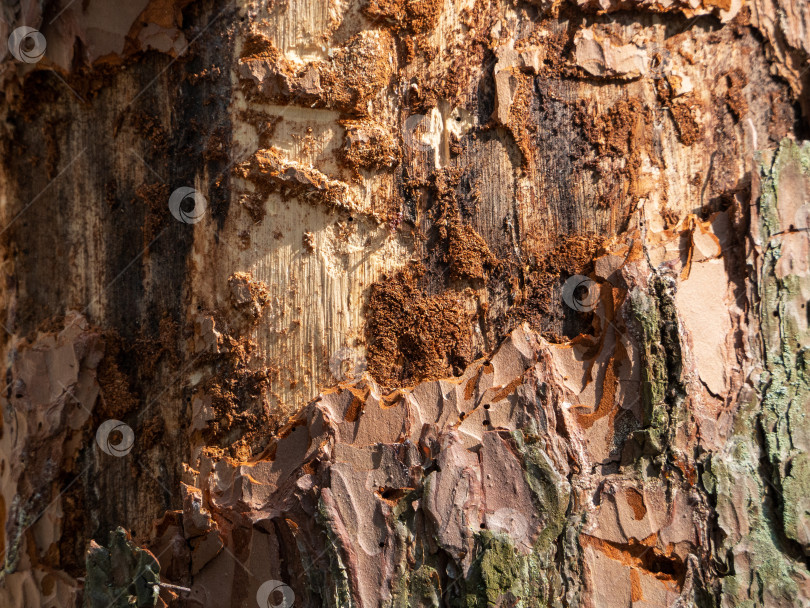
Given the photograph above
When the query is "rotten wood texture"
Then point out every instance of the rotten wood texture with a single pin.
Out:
(382, 303)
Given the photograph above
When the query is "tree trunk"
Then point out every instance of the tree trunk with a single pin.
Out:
(385, 303)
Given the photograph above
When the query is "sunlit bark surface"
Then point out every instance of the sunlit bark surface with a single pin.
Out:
(405, 303)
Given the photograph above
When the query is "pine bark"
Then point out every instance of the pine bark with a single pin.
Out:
(380, 303)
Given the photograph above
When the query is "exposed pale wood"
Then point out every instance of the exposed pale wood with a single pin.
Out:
(487, 150)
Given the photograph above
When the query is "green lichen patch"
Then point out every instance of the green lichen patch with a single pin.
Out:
(423, 588)
(120, 575)
(332, 586)
(662, 389)
(752, 562)
(504, 575)
(497, 575)
(784, 292)
(551, 493)
(418, 582)
(760, 482)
